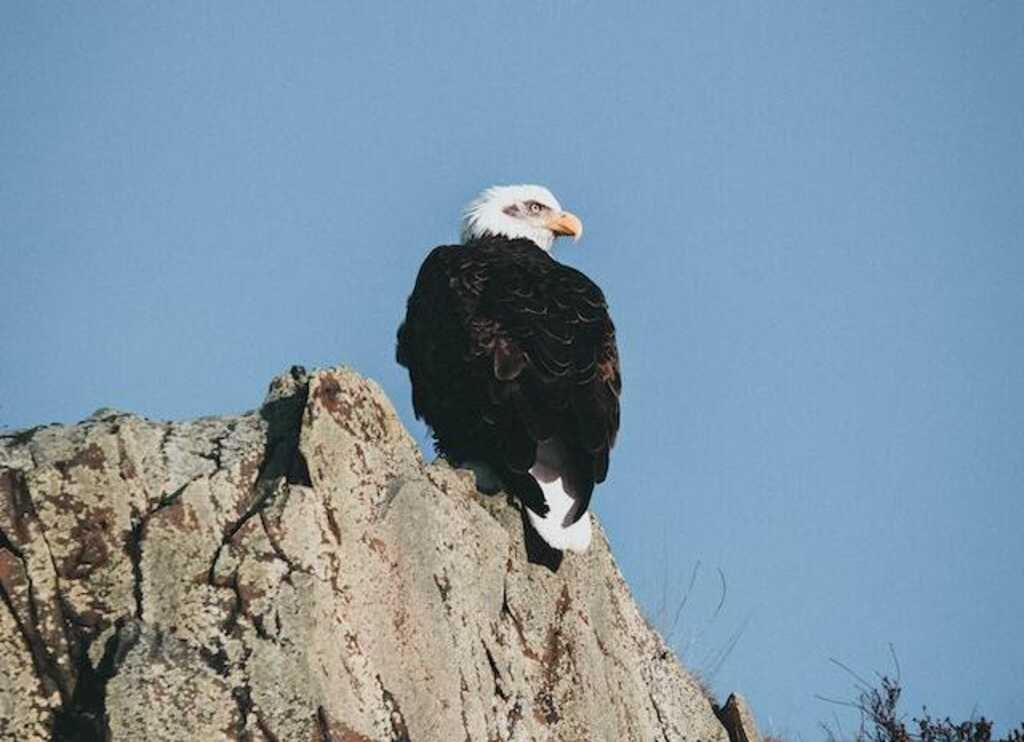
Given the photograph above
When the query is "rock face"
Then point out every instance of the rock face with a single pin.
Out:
(299, 573)
(738, 719)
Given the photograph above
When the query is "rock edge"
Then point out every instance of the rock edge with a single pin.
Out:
(299, 573)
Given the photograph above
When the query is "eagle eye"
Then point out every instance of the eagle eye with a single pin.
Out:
(534, 207)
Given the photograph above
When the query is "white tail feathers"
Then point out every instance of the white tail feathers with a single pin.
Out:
(552, 528)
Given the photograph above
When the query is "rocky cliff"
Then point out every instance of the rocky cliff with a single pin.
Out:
(299, 573)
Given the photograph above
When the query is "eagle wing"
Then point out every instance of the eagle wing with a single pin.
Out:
(506, 349)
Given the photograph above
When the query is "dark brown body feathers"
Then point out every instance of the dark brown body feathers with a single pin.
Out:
(507, 348)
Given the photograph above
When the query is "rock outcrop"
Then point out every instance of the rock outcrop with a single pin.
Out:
(299, 573)
(738, 719)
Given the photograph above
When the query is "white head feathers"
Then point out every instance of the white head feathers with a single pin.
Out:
(518, 211)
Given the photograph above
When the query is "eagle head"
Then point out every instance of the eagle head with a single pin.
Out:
(528, 211)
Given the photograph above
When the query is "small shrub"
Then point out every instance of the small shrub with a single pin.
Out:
(881, 722)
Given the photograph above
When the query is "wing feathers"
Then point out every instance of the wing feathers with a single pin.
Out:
(507, 348)
(509, 361)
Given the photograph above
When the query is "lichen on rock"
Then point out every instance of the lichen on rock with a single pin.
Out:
(299, 573)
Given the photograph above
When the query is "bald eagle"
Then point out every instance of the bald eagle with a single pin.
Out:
(513, 362)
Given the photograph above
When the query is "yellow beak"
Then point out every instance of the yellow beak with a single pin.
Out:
(566, 223)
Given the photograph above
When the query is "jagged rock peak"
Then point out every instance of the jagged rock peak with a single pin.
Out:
(299, 573)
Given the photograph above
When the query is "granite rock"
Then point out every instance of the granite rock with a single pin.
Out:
(300, 573)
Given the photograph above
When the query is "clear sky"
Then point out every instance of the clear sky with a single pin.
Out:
(807, 217)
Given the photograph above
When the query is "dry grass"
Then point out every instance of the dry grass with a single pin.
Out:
(881, 720)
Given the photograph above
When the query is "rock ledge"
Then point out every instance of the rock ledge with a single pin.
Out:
(299, 573)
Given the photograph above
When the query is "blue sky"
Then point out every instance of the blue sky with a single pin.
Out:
(808, 220)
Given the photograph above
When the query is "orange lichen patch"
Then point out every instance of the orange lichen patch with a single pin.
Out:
(379, 414)
(247, 531)
(11, 572)
(328, 395)
(181, 516)
(400, 617)
(346, 407)
(399, 730)
(90, 457)
(352, 643)
(563, 604)
(544, 711)
(521, 633)
(92, 553)
(332, 522)
(343, 733)
(248, 471)
(69, 503)
(7, 481)
(555, 648)
(375, 544)
(364, 467)
(19, 503)
(247, 595)
(125, 464)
